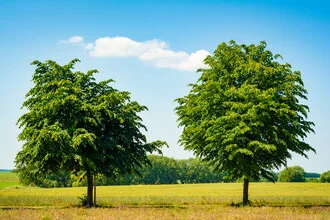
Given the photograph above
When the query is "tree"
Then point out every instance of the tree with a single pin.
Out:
(163, 170)
(76, 124)
(325, 177)
(193, 170)
(244, 115)
(292, 174)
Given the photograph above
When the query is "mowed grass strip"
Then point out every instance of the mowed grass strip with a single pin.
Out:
(193, 212)
(223, 194)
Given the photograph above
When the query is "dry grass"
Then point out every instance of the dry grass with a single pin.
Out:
(190, 212)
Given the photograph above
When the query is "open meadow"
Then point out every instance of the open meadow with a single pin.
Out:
(185, 201)
(8, 179)
(223, 194)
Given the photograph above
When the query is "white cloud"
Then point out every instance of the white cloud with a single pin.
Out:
(123, 47)
(154, 52)
(73, 40)
(89, 46)
(175, 60)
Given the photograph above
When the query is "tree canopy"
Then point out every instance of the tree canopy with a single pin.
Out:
(76, 124)
(244, 114)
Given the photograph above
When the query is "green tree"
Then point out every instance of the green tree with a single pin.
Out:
(193, 170)
(163, 170)
(325, 177)
(292, 174)
(73, 123)
(244, 114)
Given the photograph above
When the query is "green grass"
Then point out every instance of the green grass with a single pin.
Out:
(188, 201)
(8, 179)
(223, 194)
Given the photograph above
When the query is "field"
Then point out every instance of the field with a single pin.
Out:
(186, 201)
(8, 179)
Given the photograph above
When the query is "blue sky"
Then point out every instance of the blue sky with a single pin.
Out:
(152, 48)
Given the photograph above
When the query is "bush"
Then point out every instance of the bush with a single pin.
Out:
(312, 180)
(292, 174)
(325, 177)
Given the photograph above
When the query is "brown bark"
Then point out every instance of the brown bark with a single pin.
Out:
(94, 191)
(246, 192)
(89, 190)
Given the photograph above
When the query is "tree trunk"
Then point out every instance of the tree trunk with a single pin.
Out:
(89, 190)
(246, 192)
(94, 191)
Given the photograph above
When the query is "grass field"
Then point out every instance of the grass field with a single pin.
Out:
(187, 201)
(8, 179)
(261, 194)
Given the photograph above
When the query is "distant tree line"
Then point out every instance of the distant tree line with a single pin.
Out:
(166, 170)
(163, 170)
